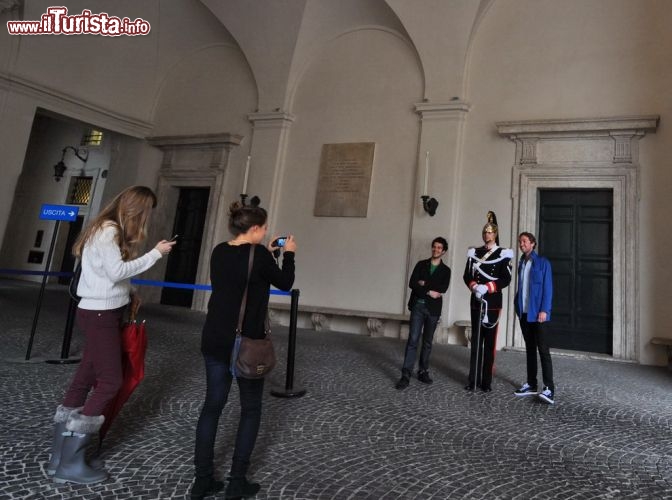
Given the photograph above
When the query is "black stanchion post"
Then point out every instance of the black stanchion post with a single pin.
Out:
(67, 338)
(39, 298)
(289, 391)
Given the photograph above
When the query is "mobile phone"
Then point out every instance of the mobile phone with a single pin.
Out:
(279, 242)
(174, 237)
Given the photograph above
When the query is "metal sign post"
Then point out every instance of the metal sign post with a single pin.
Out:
(57, 213)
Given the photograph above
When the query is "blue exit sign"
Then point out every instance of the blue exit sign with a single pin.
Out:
(59, 212)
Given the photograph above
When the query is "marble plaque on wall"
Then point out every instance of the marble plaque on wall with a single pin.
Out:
(344, 181)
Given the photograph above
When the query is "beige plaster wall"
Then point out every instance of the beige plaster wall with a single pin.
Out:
(120, 74)
(545, 59)
(359, 89)
(209, 90)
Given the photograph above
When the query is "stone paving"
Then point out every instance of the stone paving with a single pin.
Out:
(353, 436)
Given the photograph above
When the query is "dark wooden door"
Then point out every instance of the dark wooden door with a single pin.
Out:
(575, 233)
(182, 264)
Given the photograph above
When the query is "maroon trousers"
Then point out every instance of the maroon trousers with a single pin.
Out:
(101, 361)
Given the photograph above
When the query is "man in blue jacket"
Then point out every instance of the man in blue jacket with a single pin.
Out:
(533, 307)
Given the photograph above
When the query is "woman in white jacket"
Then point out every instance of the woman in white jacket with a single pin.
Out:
(108, 249)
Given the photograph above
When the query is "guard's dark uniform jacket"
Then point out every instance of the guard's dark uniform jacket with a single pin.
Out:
(489, 268)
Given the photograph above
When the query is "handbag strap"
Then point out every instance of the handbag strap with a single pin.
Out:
(243, 304)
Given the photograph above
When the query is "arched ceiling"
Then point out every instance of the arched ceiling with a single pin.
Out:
(280, 37)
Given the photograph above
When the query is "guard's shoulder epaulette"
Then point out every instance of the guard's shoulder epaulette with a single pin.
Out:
(507, 253)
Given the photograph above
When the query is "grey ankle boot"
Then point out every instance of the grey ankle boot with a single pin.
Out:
(73, 467)
(60, 417)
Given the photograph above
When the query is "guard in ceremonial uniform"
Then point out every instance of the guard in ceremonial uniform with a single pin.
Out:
(487, 273)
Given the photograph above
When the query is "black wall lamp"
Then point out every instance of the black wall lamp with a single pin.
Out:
(60, 168)
(429, 204)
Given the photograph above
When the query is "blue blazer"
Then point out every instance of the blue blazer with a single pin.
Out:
(541, 288)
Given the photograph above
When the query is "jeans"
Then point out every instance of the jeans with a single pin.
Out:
(534, 334)
(421, 321)
(218, 380)
(101, 362)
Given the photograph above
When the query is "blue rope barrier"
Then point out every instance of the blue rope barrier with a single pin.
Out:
(171, 284)
(134, 281)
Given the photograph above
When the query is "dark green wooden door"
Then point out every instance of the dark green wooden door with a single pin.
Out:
(575, 233)
(182, 264)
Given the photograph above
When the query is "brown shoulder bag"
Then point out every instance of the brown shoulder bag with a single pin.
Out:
(251, 358)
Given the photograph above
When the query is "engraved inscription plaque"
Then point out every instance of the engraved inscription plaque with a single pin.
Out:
(344, 181)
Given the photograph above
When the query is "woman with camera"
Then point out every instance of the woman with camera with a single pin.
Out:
(228, 276)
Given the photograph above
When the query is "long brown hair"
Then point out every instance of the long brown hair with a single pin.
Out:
(129, 212)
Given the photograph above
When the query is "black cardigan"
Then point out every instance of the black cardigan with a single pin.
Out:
(228, 274)
(439, 282)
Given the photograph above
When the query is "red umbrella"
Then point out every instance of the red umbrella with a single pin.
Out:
(133, 346)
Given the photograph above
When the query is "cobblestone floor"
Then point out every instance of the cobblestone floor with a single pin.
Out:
(353, 436)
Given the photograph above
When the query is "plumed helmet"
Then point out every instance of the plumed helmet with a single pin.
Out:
(491, 225)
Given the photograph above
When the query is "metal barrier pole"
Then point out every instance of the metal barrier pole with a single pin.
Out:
(289, 391)
(39, 298)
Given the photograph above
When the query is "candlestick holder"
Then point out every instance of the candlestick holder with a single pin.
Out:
(429, 204)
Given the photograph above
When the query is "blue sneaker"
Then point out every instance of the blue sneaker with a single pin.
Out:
(526, 390)
(547, 396)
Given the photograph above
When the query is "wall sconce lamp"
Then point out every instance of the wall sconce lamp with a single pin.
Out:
(60, 168)
(429, 204)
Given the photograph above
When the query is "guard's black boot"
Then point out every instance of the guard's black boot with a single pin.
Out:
(240, 487)
(205, 486)
(73, 467)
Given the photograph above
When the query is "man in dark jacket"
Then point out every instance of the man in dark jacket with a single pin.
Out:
(533, 307)
(429, 281)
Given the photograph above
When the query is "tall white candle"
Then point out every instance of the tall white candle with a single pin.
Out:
(424, 192)
(247, 173)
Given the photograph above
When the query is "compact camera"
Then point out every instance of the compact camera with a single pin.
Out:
(279, 242)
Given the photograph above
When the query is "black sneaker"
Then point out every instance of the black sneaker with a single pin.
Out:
(469, 387)
(526, 390)
(424, 378)
(547, 396)
(403, 383)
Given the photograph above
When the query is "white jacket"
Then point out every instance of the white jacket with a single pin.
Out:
(105, 282)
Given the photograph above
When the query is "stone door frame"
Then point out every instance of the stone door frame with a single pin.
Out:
(195, 161)
(593, 153)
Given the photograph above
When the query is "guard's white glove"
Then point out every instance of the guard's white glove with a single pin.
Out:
(480, 291)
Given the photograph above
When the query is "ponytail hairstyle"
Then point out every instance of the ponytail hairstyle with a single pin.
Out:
(243, 217)
(128, 212)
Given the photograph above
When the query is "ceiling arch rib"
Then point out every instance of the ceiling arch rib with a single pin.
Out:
(279, 39)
